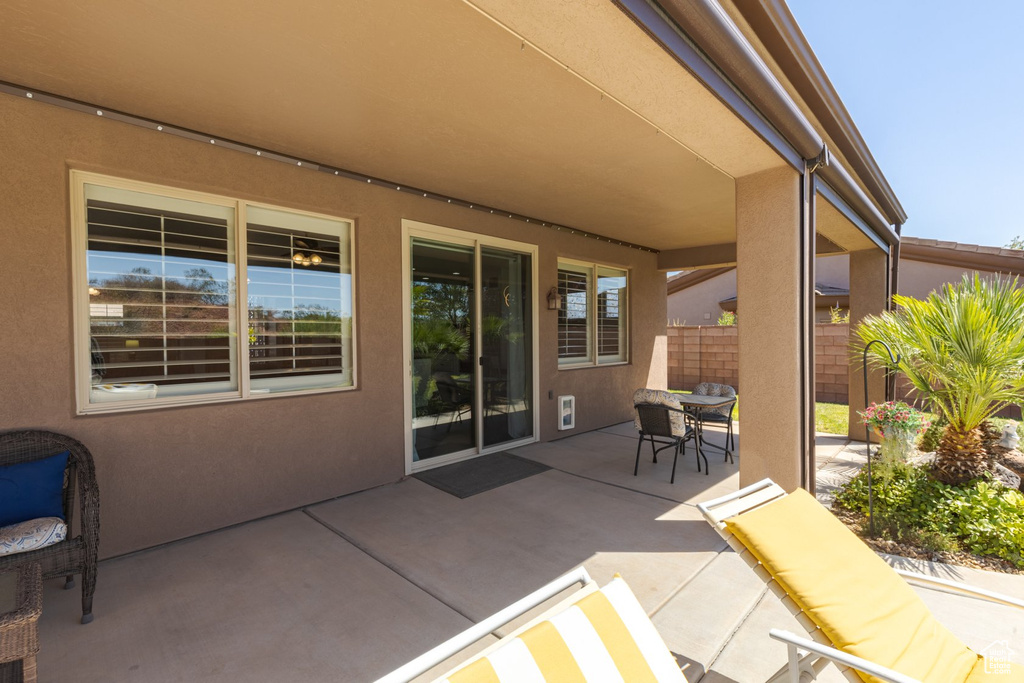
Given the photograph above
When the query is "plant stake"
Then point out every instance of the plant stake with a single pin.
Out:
(867, 428)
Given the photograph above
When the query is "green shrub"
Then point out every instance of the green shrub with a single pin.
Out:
(727, 318)
(929, 441)
(984, 518)
(990, 519)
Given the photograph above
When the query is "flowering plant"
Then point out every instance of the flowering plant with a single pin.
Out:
(894, 415)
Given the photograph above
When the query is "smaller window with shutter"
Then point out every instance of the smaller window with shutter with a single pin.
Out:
(592, 322)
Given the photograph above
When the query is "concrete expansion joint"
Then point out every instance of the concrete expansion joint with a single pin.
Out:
(732, 632)
(686, 583)
(620, 486)
(388, 565)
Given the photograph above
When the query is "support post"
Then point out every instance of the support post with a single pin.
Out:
(869, 295)
(773, 281)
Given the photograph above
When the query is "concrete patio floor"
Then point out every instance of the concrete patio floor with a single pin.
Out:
(348, 589)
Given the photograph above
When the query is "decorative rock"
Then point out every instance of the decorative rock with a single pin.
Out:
(1005, 476)
(1013, 461)
(1010, 438)
(920, 459)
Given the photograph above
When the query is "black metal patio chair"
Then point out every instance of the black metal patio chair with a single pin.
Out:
(661, 420)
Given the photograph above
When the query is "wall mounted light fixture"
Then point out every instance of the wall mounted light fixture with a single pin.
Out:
(554, 300)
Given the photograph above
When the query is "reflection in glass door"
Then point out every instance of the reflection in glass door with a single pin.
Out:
(443, 354)
(506, 345)
(472, 329)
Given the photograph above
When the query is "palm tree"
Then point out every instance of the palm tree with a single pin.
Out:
(962, 348)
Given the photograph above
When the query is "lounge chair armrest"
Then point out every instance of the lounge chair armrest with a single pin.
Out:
(960, 588)
(837, 656)
(462, 640)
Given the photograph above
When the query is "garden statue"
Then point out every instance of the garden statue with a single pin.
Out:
(1010, 438)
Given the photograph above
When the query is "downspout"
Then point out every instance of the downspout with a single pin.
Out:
(894, 281)
(808, 250)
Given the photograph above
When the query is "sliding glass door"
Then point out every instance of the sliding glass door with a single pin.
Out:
(471, 328)
(506, 349)
(443, 361)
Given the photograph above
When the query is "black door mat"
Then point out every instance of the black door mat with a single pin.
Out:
(470, 477)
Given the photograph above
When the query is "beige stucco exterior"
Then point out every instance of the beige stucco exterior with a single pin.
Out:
(768, 251)
(869, 295)
(583, 114)
(173, 472)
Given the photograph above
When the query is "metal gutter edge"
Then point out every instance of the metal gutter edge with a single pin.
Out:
(776, 15)
(841, 181)
(834, 198)
(663, 32)
(706, 23)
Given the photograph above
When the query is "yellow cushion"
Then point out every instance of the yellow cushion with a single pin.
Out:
(604, 632)
(863, 606)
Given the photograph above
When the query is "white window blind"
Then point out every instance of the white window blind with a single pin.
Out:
(173, 313)
(592, 322)
(611, 315)
(298, 284)
(159, 292)
(575, 315)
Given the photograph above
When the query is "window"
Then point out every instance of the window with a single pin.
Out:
(185, 297)
(592, 319)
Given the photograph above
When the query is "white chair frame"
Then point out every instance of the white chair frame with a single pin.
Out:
(808, 657)
(461, 641)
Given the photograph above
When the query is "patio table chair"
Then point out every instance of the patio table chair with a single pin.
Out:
(595, 634)
(455, 399)
(860, 613)
(719, 415)
(660, 418)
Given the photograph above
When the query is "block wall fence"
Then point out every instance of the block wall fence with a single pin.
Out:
(708, 353)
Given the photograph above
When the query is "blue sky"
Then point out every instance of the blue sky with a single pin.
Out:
(937, 91)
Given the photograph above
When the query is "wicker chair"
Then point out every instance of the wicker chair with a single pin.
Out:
(76, 554)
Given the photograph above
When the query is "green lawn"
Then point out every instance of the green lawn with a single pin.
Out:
(829, 417)
(834, 418)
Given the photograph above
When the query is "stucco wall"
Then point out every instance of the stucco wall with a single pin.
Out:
(698, 305)
(919, 279)
(170, 473)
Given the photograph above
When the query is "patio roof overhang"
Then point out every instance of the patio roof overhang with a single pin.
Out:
(541, 110)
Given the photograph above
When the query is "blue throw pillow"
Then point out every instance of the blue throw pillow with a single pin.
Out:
(32, 489)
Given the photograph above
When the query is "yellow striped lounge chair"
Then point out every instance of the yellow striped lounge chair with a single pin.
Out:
(597, 634)
(860, 613)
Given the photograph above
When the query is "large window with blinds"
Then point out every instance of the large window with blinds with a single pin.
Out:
(185, 297)
(592, 320)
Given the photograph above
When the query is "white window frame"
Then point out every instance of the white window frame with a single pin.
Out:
(593, 322)
(81, 304)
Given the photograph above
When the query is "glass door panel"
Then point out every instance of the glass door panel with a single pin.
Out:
(506, 345)
(443, 351)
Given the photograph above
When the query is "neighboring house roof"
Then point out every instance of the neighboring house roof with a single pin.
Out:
(689, 278)
(944, 252)
(972, 256)
(826, 293)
